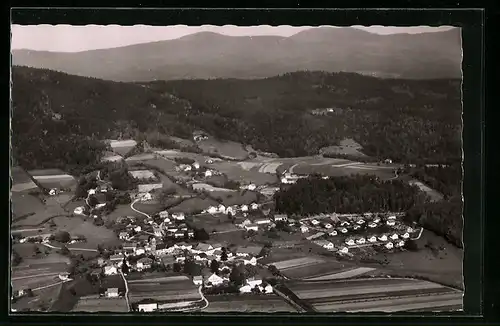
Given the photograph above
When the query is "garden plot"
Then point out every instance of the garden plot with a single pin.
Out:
(264, 303)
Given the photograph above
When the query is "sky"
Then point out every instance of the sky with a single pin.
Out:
(67, 38)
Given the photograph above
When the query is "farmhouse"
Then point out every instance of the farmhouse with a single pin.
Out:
(147, 307)
(280, 217)
(221, 208)
(343, 230)
(144, 263)
(110, 270)
(196, 165)
(178, 216)
(315, 222)
(405, 235)
(332, 233)
(344, 250)
(198, 280)
(130, 246)
(244, 208)
(245, 289)
(163, 214)
(304, 229)
(389, 245)
(360, 241)
(252, 261)
(400, 244)
(208, 173)
(372, 239)
(253, 227)
(123, 235)
(142, 174)
(391, 217)
(140, 251)
(328, 226)
(361, 222)
(254, 206)
(214, 279)
(350, 242)
(212, 210)
(116, 259)
(112, 293)
(391, 222)
(263, 220)
(78, 210)
(395, 236)
(254, 281)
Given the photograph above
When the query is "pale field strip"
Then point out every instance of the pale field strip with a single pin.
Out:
(140, 157)
(297, 262)
(268, 303)
(122, 143)
(247, 166)
(394, 304)
(142, 174)
(207, 187)
(94, 304)
(269, 168)
(345, 274)
(331, 292)
(23, 186)
(53, 177)
(343, 165)
(161, 279)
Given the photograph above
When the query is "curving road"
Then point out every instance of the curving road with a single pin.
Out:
(126, 289)
(136, 210)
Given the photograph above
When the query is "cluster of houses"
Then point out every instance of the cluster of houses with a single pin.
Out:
(221, 209)
(200, 171)
(263, 222)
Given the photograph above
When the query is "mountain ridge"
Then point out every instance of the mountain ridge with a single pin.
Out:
(212, 55)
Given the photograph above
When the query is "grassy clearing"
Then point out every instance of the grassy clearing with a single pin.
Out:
(23, 204)
(265, 303)
(159, 290)
(297, 262)
(122, 210)
(194, 205)
(227, 149)
(95, 234)
(346, 147)
(213, 223)
(96, 304)
(237, 172)
(42, 300)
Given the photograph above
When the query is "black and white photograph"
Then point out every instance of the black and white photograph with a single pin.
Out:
(236, 169)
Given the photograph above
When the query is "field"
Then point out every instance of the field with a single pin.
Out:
(42, 300)
(342, 274)
(206, 187)
(96, 304)
(35, 276)
(211, 223)
(122, 147)
(95, 234)
(247, 303)
(346, 147)
(235, 198)
(23, 204)
(122, 210)
(241, 173)
(21, 181)
(163, 289)
(442, 264)
(431, 193)
(374, 295)
(142, 174)
(140, 157)
(28, 210)
(227, 149)
(297, 262)
(194, 205)
(53, 178)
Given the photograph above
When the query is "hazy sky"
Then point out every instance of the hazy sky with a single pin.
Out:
(67, 38)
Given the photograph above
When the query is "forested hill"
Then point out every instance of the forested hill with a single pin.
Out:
(211, 55)
(57, 118)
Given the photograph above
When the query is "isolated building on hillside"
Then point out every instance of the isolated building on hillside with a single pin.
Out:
(147, 307)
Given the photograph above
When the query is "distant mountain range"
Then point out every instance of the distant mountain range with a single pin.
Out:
(209, 55)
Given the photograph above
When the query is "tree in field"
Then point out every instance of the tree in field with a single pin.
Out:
(177, 267)
(65, 251)
(93, 201)
(236, 276)
(201, 234)
(223, 256)
(62, 236)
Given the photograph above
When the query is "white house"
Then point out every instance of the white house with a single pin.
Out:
(112, 293)
(252, 261)
(208, 173)
(383, 237)
(304, 229)
(52, 192)
(280, 217)
(166, 220)
(392, 217)
(350, 242)
(343, 230)
(405, 235)
(101, 205)
(144, 263)
(360, 241)
(212, 210)
(147, 307)
(345, 223)
(140, 251)
(315, 222)
(372, 225)
(214, 279)
(110, 270)
(389, 245)
(344, 250)
(356, 227)
(391, 222)
(244, 208)
(372, 239)
(78, 210)
(64, 276)
(253, 227)
(254, 206)
(245, 289)
(246, 222)
(400, 244)
(138, 228)
(147, 196)
(328, 226)
(333, 233)
(395, 236)
(268, 289)
(163, 214)
(123, 235)
(196, 165)
(251, 187)
(198, 280)
(376, 220)
(264, 220)
(361, 222)
(253, 281)
(221, 208)
(230, 210)
(178, 216)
